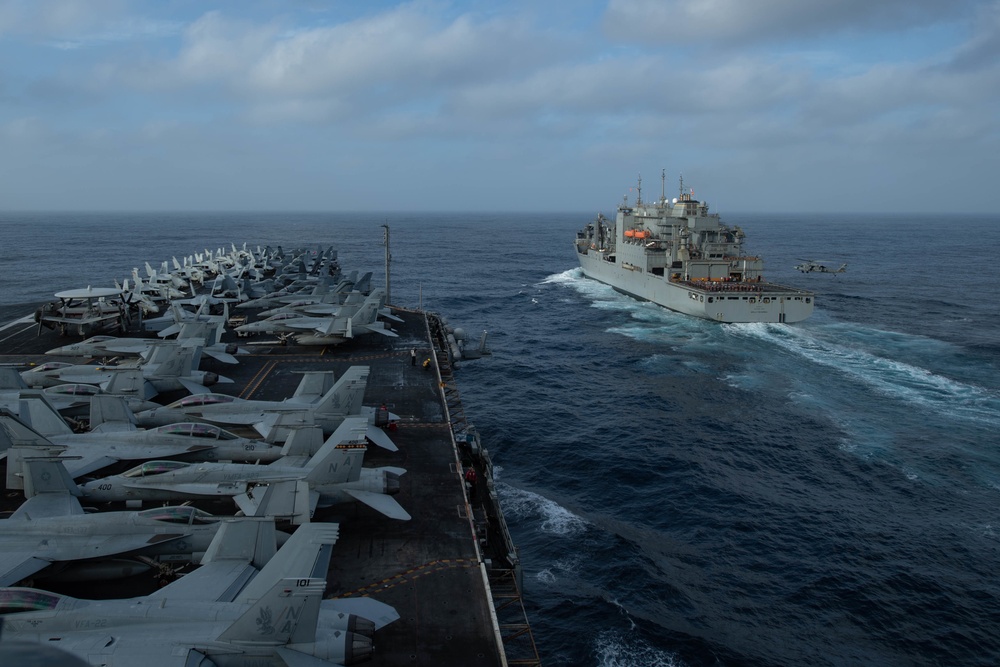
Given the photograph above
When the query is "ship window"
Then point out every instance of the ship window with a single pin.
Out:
(808, 300)
(711, 299)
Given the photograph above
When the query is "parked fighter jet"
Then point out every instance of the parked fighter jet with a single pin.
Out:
(330, 330)
(279, 618)
(333, 475)
(208, 335)
(272, 418)
(26, 538)
(170, 367)
(73, 399)
(114, 437)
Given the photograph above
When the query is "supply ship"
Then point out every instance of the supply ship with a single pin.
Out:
(679, 256)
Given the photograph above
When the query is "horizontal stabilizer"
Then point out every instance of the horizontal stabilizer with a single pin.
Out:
(221, 355)
(194, 387)
(377, 612)
(387, 505)
(380, 438)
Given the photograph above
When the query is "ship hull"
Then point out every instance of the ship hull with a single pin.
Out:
(763, 302)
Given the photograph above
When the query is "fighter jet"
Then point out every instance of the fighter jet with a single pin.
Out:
(212, 616)
(170, 367)
(114, 437)
(28, 542)
(333, 475)
(73, 399)
(814, 266)
(206, 334)
(331, 330)
(272, 419)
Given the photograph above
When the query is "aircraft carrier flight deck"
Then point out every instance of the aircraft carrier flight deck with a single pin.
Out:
(451, 572)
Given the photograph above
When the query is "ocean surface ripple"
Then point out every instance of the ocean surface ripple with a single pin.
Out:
(683, 492)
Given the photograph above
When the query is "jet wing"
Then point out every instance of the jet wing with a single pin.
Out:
(47, 505)
(17, 565)
(94, 457)
(235, 418)
(218, 489)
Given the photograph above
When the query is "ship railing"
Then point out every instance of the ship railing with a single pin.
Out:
(513, 636)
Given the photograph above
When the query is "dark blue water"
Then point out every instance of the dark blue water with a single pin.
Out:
(683, 492)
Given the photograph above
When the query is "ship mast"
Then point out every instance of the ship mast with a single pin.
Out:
(663, 186)
(388, 258)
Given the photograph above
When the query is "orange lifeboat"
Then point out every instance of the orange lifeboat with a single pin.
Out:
(630, 233)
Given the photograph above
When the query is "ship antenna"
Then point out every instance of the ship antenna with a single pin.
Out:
(638, 197)
(681, 189)
(663, 186)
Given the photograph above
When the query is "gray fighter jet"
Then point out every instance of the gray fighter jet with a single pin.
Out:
(212, 616)
(347, 324)
(170, 367)
(272, 419)
(50, 530)
(333, 475)
(206, 334)
(114, 437)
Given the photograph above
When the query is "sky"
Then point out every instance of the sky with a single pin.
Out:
(887, 106)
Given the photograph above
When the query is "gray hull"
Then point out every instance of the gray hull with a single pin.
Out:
(766, 303)
(677, 254)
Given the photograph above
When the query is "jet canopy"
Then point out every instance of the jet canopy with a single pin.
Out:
(14, 600)
(182, 515)
(194, 430)
(201, 399)
(151, 468)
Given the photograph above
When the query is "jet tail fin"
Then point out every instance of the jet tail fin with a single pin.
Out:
(109, 413)
(47, 475)
(37, 412)
(286, 614)
(287, 499)
(336, 462)
(306, 554)
(346, 395)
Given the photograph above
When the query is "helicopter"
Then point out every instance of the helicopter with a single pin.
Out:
(816, 266)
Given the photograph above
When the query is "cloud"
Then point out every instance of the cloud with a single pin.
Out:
(721, 22)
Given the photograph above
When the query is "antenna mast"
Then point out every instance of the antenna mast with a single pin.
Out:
(388, 258)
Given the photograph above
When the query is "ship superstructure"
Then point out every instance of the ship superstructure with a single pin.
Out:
(675, 253)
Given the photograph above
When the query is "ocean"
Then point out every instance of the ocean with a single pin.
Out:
(684, 492)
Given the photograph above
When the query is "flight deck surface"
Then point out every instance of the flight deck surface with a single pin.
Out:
(436, 569)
